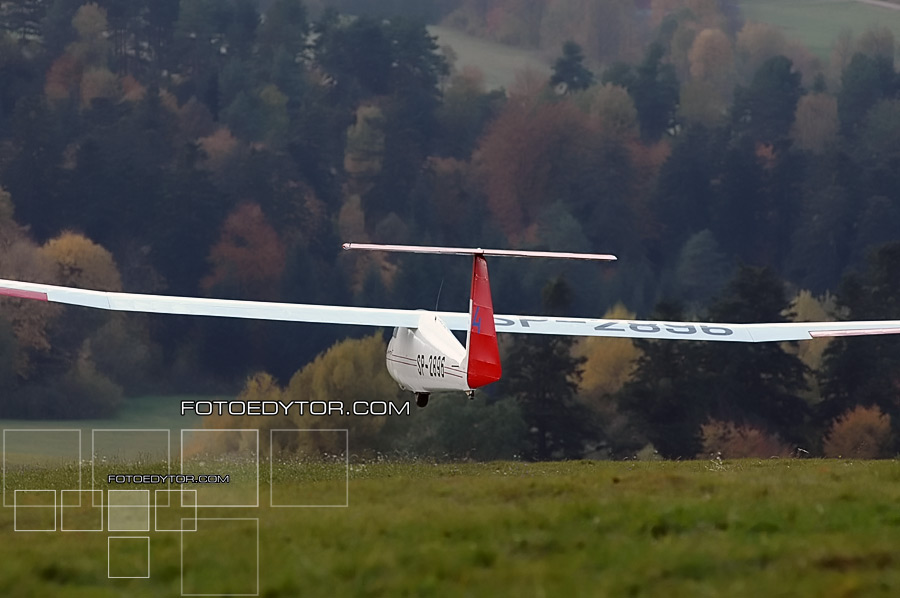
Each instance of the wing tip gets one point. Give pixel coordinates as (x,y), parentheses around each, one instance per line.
(23,294)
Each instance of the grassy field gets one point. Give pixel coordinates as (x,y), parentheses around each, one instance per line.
(817,23)
(814,23)
(498,62)
(144,413)
(743,528)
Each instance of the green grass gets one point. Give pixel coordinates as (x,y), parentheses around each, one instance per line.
(743,528)
(817,23)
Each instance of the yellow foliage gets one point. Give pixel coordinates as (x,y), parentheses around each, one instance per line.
(614,109)
(91,47)
(712,61)
(610,361)
(863,433)
(261,386)
(352,370)
(98,83)
(365,143)
(807,308)
(80,262)
(168,100)
(90,21)
(218,147)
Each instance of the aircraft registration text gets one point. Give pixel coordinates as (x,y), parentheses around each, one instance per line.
(431,365)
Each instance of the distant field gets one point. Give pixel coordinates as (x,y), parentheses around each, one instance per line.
(817,23)
(743,528)
(136,413)
(498,62)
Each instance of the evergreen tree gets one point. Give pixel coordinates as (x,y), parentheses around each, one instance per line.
(655,92)
(543,376)
(766,108)
(569,69)
(864,370)
(757,383)
(865,81)
(668,393)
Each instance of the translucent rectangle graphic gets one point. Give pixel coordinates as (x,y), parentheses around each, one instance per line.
(123,451)
(128,557)
(231,457)
(81,511)
(309,468)
(221,558)
(128,510)
(175,510)
(34,510)
(40,459)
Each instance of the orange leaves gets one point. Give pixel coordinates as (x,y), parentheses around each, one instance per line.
(712,60)
(219,147)
(732,441)
(863,433)
(518,155)
(63,78)
(249,253)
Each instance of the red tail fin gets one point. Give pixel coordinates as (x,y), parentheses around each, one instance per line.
(483,354)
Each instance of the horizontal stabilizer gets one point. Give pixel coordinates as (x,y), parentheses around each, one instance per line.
(478,251)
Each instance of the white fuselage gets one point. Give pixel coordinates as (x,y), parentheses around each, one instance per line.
(427,358)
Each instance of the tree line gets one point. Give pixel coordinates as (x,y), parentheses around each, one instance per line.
(227,148)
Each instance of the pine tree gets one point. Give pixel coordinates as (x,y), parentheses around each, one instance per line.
(543,376)
(569,69)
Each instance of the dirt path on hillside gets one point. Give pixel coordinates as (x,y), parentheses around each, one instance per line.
(881,3)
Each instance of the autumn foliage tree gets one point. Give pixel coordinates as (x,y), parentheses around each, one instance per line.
(519,154)
(80,262)
(249,256)
(860,433)
(732,441)
(351,370)
(20,259)
(608,362)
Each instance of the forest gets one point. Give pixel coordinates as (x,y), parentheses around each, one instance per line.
(226,148)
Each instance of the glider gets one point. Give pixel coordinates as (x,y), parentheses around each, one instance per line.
(423,355)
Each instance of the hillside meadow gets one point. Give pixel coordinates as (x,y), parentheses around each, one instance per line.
(583,528)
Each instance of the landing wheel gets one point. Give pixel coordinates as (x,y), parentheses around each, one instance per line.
(421,399)
(471,395)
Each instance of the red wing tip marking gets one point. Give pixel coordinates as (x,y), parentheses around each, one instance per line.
(23,294)
(869,332)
